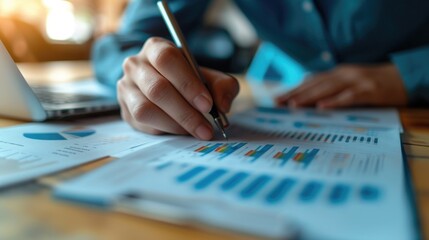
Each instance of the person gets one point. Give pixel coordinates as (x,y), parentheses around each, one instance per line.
(361,53)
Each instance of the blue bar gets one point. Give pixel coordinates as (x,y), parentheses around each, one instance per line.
(313,137)
(256,185)
(307,136)
(286,135)
(190,174)
(288,155)
(274,121)
(210,149)
(334,138)
(369,193)
(327,137)
(339,194)
(206,181)
(230,149)
(299,124)
(234,181)
(273,110)
(260,152)
(278,193)
(310,191)
(163,166)
(310,157)
(260,120)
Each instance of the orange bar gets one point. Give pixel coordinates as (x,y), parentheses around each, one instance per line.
(200,148)
(278,155)
(221,148)
(298,157)
(250,153)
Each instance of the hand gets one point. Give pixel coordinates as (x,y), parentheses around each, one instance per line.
(159,92)
(349,85)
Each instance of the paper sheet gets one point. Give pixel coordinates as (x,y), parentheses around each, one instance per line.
(334,176)
(31,150)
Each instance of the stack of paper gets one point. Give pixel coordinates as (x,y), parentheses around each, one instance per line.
(317,175)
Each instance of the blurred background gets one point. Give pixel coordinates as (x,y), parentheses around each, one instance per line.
(53,30)
(47,30)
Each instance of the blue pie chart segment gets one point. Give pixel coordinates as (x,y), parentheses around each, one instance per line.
(44,136)
(64,135)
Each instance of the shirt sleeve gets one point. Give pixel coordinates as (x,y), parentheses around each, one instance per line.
(413,66)
(141,20)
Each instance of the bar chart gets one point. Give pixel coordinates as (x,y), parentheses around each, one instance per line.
(223,150)
(255,154)
(267,188)
(281,157)
(303,158)
(311,132)
(322,137)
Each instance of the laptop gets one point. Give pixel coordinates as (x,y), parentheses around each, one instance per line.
(39,103)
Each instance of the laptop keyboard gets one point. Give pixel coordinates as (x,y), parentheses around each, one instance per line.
(45,95)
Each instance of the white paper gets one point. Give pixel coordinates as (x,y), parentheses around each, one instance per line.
(31,150)
(334,178)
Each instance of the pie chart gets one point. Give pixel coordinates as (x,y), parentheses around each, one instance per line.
(63,135)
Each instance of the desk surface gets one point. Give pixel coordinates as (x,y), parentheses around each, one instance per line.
(27,211)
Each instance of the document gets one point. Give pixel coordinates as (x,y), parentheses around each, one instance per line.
(31,150)
(319,175)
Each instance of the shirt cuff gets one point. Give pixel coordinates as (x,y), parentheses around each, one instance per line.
(413,66)
(108,54)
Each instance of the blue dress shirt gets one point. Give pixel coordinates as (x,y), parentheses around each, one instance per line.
(319,34)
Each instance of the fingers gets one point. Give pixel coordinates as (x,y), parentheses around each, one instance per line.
(160,103)
(343,99)
(142,114)
(320,86)
(160,92)
(224,88)
(358,94)
(309,83)
(125,112)
(172,65)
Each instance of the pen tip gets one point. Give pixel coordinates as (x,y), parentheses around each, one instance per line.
(221,128)
(224,135)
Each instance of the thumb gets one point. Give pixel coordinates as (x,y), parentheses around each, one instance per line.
(224,88)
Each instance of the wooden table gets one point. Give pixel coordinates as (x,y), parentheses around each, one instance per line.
(27,211)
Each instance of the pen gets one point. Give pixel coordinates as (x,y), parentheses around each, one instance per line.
(219,118)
